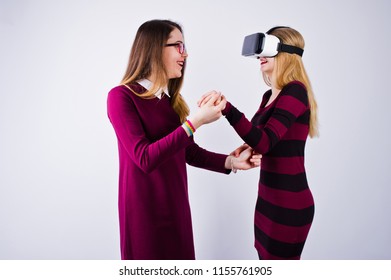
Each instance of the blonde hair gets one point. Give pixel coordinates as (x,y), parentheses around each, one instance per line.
(146,59)
(290,67)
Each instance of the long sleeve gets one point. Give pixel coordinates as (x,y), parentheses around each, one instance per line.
(129,128)
(199,157)
(291,103)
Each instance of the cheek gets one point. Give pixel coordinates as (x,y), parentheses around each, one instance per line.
(169,61)
(165,61)
(270,66)
(272,63)
(167,57)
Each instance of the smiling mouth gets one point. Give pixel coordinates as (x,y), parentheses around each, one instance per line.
(181,63)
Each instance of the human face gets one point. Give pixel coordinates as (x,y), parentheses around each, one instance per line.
(267,65)
(173,60)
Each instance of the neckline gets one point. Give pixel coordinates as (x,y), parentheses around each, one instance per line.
(279,94)
(270,95)
(147,84)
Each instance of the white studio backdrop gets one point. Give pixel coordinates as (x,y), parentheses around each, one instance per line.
(58,151)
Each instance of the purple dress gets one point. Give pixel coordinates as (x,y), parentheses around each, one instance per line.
(154,211)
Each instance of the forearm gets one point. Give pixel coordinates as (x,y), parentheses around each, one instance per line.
(255,137)
(201,158)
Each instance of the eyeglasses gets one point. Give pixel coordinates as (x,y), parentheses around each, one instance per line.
(180,46)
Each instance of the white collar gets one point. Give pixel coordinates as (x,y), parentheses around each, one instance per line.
(148,85)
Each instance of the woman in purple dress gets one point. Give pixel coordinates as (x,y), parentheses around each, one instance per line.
(279,130)
(155,141)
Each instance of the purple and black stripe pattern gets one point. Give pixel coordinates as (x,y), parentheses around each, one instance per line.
(285,206)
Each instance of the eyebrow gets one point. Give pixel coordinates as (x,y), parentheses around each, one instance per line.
(178,41)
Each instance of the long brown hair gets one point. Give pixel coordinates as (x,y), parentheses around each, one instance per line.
(290,67)
(146,60)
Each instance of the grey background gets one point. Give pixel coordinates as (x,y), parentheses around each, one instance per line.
(58,153)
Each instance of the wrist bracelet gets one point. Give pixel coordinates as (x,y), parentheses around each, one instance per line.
(189,126)
(187,129)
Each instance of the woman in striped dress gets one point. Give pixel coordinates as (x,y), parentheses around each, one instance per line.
(279,130)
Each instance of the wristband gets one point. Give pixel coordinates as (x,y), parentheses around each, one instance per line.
(188,129)
(191,126)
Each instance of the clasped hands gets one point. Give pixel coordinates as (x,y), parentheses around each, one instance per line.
(210,106)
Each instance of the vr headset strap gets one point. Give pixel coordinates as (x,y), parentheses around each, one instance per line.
(290,49)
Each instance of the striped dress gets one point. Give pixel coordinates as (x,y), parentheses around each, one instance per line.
(285,206)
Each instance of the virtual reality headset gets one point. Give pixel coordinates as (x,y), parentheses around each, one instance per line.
(266,45)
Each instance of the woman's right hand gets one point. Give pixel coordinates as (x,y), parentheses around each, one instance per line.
(209,112)
(206,98)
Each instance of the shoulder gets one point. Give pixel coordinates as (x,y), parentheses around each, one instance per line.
(123,89)
(118,90)
(125,92)
(297,90)
(119,96)
(121,100)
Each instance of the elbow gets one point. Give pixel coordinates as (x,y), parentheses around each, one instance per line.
(143,159)
(262,148)
(146,165)
(266,142)
(146,170)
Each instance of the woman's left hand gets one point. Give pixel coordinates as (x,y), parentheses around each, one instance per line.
(247,159)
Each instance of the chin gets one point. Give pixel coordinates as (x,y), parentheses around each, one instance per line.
(175,75)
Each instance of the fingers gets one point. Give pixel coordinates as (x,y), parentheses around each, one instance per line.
(256,159)
(213,98)
(206,98)
(245,158)
(238,150)
(235,153)
(222,103)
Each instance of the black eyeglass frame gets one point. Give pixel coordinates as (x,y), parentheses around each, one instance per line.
(180,46)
